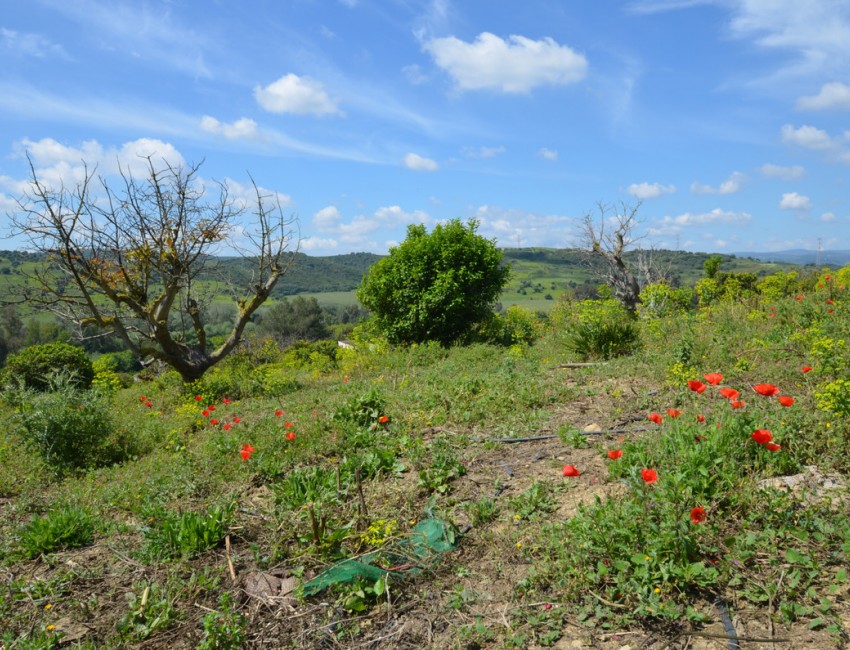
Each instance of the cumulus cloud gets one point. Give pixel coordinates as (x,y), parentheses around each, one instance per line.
(731,185)
(828,217)
(327,218)
(418,163)
(319,244)
(483,152)
(670,225)
(835,95)
(299,95)
(516,65)
(57,164)
(806,136)
(548,154)
(243,128)
(393,215)
(513,227)
(646,190)
(794,201)
(792,173)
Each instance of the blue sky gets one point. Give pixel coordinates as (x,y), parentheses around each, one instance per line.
(728,119)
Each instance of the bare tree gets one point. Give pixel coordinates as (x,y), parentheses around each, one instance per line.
(607,237)
(131,261)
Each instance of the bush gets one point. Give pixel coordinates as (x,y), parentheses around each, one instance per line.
(33,366)
(601,329)
(71,428)
(435,287)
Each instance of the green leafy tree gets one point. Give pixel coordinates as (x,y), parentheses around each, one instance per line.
(299,319)
(437,286)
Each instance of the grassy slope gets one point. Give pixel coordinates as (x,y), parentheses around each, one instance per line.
(532,565)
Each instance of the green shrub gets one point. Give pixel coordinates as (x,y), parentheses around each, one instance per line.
(32,367)
(65,527)
(71,428)
(604,340)
(435,287)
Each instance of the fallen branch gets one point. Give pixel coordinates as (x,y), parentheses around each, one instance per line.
(229,560)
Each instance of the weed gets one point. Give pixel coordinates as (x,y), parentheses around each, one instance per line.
(150,611)
(481,512)
(64,527)
(174,535)
(224,629)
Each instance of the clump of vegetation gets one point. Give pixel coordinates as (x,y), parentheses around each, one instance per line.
(35,366)
(65,527)
(437,286)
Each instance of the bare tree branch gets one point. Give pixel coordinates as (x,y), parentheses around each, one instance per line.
(132,260)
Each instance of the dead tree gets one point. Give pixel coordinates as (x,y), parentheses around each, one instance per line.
(131,260)
(607,238)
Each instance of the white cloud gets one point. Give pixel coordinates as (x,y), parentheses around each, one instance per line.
(244,195)
(393,215)
(513,66)
(519,228)
(806,136)
(28,44)
(414,74)
(294,94)
(327,218)
(243,128)
(835,95)
(318,245)
(731,185)
(483,152)
(418,163)
(646,190)
(794,201)
(548,154)
(793,173)
(673,225)
(828,217)
(56,164)
(658,6)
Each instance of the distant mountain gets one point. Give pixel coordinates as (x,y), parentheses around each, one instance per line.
(802,257)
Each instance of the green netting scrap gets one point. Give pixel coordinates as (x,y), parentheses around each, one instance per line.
(428,540)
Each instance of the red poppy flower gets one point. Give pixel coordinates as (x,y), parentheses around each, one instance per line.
(785,400)
(829,301)
(198,398)
(699,439)
(829,311)
(698,514)
(737,404)
(237,420)
(697,386)
(713,378)
(288,425)
(729,393)
(148,404)
(570,470)
(279,412)
(772,446)
(143,399)
(614,454)
(205,413)
(700,418)
(649,475)
(225,400)
(213,422)
(762,436)
(246,451)
(766,389)
(383,419)
(345,381)
(807,368)
(799,297)
(674,413)
(654,417)
(827,278)
(211,407)
(228,426)
(290,435)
